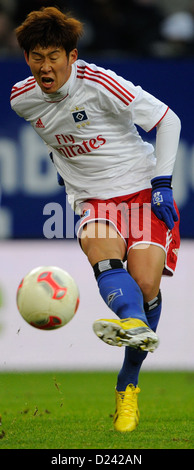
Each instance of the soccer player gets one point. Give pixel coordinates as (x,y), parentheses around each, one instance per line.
(119,184)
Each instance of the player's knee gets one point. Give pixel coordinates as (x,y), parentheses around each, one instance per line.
(148,286)
(98,247)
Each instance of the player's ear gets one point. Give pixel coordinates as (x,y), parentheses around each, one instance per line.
(73,55)
(26,57)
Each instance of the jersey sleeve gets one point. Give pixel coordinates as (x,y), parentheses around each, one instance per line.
(121,95)
(147,111)
(18,96)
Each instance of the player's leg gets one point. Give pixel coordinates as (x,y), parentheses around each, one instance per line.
(100,241)
(146,264)
(126,417)
(129,373)
(117,287)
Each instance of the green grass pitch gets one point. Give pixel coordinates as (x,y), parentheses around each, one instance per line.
(73,410)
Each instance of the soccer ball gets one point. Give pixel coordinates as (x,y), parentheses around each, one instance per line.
(47,297)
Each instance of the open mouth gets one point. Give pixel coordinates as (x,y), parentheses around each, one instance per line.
(47,82)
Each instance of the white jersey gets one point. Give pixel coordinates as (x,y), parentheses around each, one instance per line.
(90,127)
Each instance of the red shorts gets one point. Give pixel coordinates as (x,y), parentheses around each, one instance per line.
(135,222)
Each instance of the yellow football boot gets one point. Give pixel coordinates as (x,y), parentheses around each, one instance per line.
(126,417)
(127,332)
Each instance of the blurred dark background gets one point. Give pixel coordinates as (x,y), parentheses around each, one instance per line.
(156,28)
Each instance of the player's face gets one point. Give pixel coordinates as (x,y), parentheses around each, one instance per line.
(50,66)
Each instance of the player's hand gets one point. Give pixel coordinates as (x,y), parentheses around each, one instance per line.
(59,177)
(162,202)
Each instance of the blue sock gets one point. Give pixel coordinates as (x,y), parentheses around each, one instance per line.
(120,292)
(134,358)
